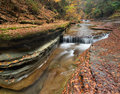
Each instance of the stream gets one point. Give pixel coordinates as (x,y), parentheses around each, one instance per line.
(62,61)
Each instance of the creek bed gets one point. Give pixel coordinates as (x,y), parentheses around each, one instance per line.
(62,63)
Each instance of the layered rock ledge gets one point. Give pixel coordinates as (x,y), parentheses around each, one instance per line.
(98,67)
(22,57)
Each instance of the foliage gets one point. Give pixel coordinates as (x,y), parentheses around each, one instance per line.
(99,8)
(66,9)
(76,9)
(61,9)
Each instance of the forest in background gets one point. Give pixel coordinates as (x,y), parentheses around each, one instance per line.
(99,8)
(49,10)
(77,9)
(89,8)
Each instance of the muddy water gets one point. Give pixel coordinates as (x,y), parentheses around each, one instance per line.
(62,65)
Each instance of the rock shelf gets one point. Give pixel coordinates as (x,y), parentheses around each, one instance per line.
(21,57)
(98,68)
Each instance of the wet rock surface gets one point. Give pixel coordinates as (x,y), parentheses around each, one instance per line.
(98,68)
(20,59)
(16,70)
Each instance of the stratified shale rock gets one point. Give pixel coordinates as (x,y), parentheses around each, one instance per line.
(13,71)
(99,68)
(22,59)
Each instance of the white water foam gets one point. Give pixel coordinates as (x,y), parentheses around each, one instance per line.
(83,47)
(66,45)
(104,37)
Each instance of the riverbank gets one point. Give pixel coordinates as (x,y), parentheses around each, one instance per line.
(60,69)
(98,67)
(24,52)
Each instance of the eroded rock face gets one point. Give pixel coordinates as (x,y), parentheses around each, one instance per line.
(99,68)
(23,60)
(21,65)
(28,43)
(13,71)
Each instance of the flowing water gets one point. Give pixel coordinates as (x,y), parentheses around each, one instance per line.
(62,61)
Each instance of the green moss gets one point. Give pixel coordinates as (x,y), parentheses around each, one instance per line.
(11,28)
(64,25)
(14,28)
(9,37)
(5,36)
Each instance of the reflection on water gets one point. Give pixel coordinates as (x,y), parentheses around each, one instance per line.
(62,65)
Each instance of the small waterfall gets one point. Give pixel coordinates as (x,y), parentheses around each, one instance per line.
(74,39)
(84,40)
